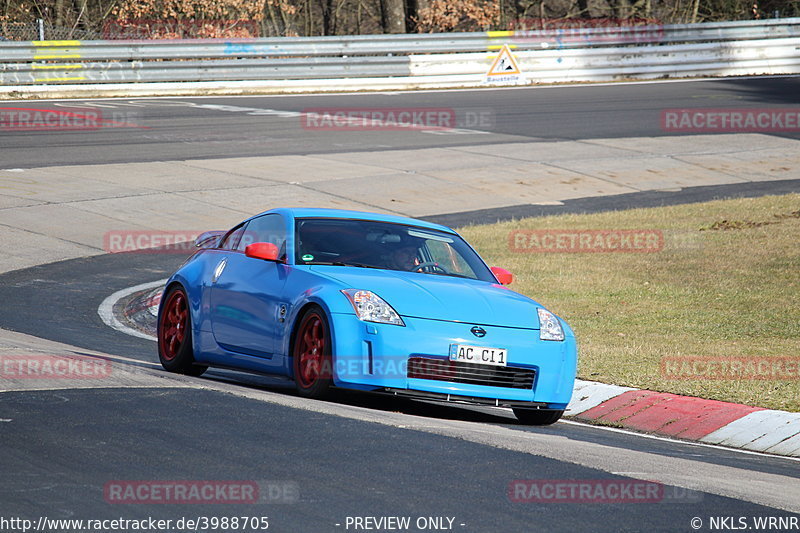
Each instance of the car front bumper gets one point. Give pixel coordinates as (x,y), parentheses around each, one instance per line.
(371,356)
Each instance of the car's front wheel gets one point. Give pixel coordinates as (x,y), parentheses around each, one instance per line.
(175,334)
(311,354)
(536,417)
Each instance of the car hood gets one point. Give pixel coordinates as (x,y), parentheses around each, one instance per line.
(435,297)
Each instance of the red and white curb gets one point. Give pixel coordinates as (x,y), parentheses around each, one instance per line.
(685,417)
(660,413)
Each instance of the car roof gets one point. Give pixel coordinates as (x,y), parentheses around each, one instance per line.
(312,212)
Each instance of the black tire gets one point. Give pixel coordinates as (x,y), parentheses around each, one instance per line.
(175,334)
(311,355)
(537,417)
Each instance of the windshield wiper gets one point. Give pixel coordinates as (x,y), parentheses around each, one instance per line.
(447,274)
(339,263)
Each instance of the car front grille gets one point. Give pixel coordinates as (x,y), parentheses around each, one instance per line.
(469,373)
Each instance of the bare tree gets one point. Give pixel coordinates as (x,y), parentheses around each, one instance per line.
(91,19)
(393,16)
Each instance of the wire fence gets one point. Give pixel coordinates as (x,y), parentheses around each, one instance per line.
(41,30)
(138,29)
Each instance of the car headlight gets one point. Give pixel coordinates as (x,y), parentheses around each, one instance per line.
(549,326)
(370,307)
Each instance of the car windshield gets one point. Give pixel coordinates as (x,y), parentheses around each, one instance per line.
(384,245)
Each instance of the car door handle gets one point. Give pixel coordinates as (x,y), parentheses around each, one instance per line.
(218,271)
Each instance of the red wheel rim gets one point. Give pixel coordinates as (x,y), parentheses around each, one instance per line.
(310,351)
(174,320)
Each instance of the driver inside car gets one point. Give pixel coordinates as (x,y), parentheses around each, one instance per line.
(404,258)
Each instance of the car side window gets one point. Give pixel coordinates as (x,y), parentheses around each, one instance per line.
(231,240)
(443,254)
(266,228)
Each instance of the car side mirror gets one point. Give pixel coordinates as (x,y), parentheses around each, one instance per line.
(262,250)
(503,276)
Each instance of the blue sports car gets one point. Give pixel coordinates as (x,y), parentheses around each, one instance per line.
(364,301)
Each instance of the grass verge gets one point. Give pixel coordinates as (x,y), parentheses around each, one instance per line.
(724,284)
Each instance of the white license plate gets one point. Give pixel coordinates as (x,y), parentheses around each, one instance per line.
(479,355)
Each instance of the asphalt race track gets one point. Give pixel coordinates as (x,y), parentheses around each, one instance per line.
(320,465)
(549,114)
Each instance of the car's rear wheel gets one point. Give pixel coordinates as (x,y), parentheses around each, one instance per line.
(311,354)
(175,334)
(536,417)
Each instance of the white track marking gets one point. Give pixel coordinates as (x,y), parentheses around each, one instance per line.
(88,104)
(106,309)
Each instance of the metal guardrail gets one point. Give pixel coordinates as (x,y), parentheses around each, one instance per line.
(746,47)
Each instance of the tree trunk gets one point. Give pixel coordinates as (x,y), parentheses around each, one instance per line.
(695,10)
(82,17)
(327,17)
(393,16)
(413,8)
(59,9)
(623,8)
(269,15)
